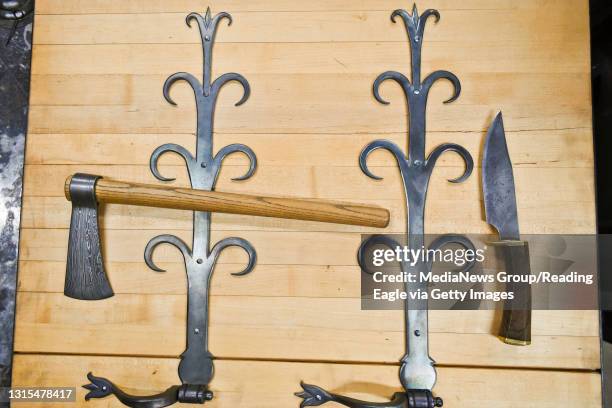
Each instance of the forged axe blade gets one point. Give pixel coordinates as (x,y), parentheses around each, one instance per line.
(85,275)
(498,183)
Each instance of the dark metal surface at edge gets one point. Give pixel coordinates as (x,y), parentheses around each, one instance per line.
(15,61)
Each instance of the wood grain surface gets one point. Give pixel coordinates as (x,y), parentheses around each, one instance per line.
(262,384)
(97,107)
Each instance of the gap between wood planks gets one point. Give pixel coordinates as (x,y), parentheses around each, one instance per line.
(316,361)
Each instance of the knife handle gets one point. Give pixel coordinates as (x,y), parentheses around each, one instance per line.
(516,319)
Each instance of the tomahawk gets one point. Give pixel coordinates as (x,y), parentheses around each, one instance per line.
(86,278)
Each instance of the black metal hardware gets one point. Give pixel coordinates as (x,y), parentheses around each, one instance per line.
(196,366)
(417,372)
(15,11)
(15,57)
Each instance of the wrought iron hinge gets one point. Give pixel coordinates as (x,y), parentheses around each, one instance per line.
(196,366)
(417,372)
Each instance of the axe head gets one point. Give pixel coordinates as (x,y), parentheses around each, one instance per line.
(85,275)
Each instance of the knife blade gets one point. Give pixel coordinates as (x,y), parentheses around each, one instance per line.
(501,212)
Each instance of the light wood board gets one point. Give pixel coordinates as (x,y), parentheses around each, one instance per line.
(97,107)
(262,384)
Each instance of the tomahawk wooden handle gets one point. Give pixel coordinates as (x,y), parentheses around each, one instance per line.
(148,195)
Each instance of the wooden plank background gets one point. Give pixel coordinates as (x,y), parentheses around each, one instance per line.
(97,106)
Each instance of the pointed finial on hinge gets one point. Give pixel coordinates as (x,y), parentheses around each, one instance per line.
(207,17)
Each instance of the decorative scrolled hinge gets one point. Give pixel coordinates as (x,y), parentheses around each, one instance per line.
(196,366)
(417,371)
